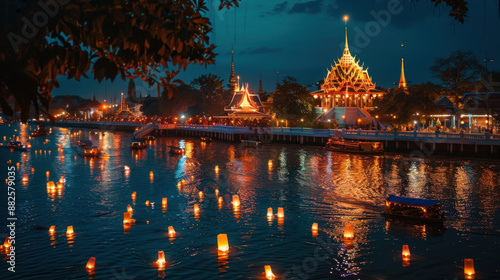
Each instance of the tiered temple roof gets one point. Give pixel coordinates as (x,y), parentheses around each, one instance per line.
(347,75)
(245,104)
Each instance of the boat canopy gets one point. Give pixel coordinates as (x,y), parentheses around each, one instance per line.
(413,201)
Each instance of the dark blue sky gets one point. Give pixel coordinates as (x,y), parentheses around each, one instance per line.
(302,39)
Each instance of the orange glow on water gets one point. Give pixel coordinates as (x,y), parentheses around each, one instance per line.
(52,230)
(171,231)
(90,264)
(69,230)
(222,243)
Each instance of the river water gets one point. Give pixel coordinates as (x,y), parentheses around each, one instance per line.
(311,184)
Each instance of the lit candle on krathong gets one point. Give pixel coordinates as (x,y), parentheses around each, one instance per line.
(147,203)
(220,201)
(348,232)
(314,230)
(134,195)
(406,253)
(236,201)
(281,212)
(48,174)
(269,213)
(6,243)
(164,203)
(127,218)
(216,169)
(223,244)
(469,269)
(270,163)
(200,194)
(32,170)
(130,209)
(269,272)
(161,260)
(62,180)
(69,231)
(60,185)
(25,178)
(171,231)
(51,186)
(216,192)
(90,264)
(196,209)
(151,175)
(52,230)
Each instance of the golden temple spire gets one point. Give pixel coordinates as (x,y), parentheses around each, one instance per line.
(402,80)
(346,60)
(232,77)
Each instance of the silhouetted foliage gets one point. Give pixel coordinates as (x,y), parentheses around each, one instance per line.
(459,73)
(405,105)
(458,8)
(293,101)
(152,40)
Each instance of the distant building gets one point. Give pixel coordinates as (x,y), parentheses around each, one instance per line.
(245,105)
(347,92)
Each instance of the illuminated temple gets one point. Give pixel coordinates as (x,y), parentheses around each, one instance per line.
(347,91)
(245,105)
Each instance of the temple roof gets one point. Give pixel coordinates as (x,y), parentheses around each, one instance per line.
(347,74)
(244,101)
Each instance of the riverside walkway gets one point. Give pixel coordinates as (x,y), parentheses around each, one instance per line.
(441,143)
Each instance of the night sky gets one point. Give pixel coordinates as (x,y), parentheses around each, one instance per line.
(302,39)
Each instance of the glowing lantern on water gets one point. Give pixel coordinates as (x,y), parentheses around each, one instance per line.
(29,146)
(47,173)
(52,230)
(62,156)
(25,178)
(134,195)
(126,168)
(269,272)
(69,230)
(164,202)
(127,218)
(469,268)
(236,200)
(348,232)
(51,185)
(130,209)
(314,227)
(220,200)
(406,252)
(161,259)
(270,163)
(32,170)
(196,209)
(90,264)
(62,180)
(216,168)
(216,192)
(222,243)
(147,203)
(171,231)
(6,243)
(281,212)
(151,175)
(200,194)
(60,185)
(179,185)
(269,213)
